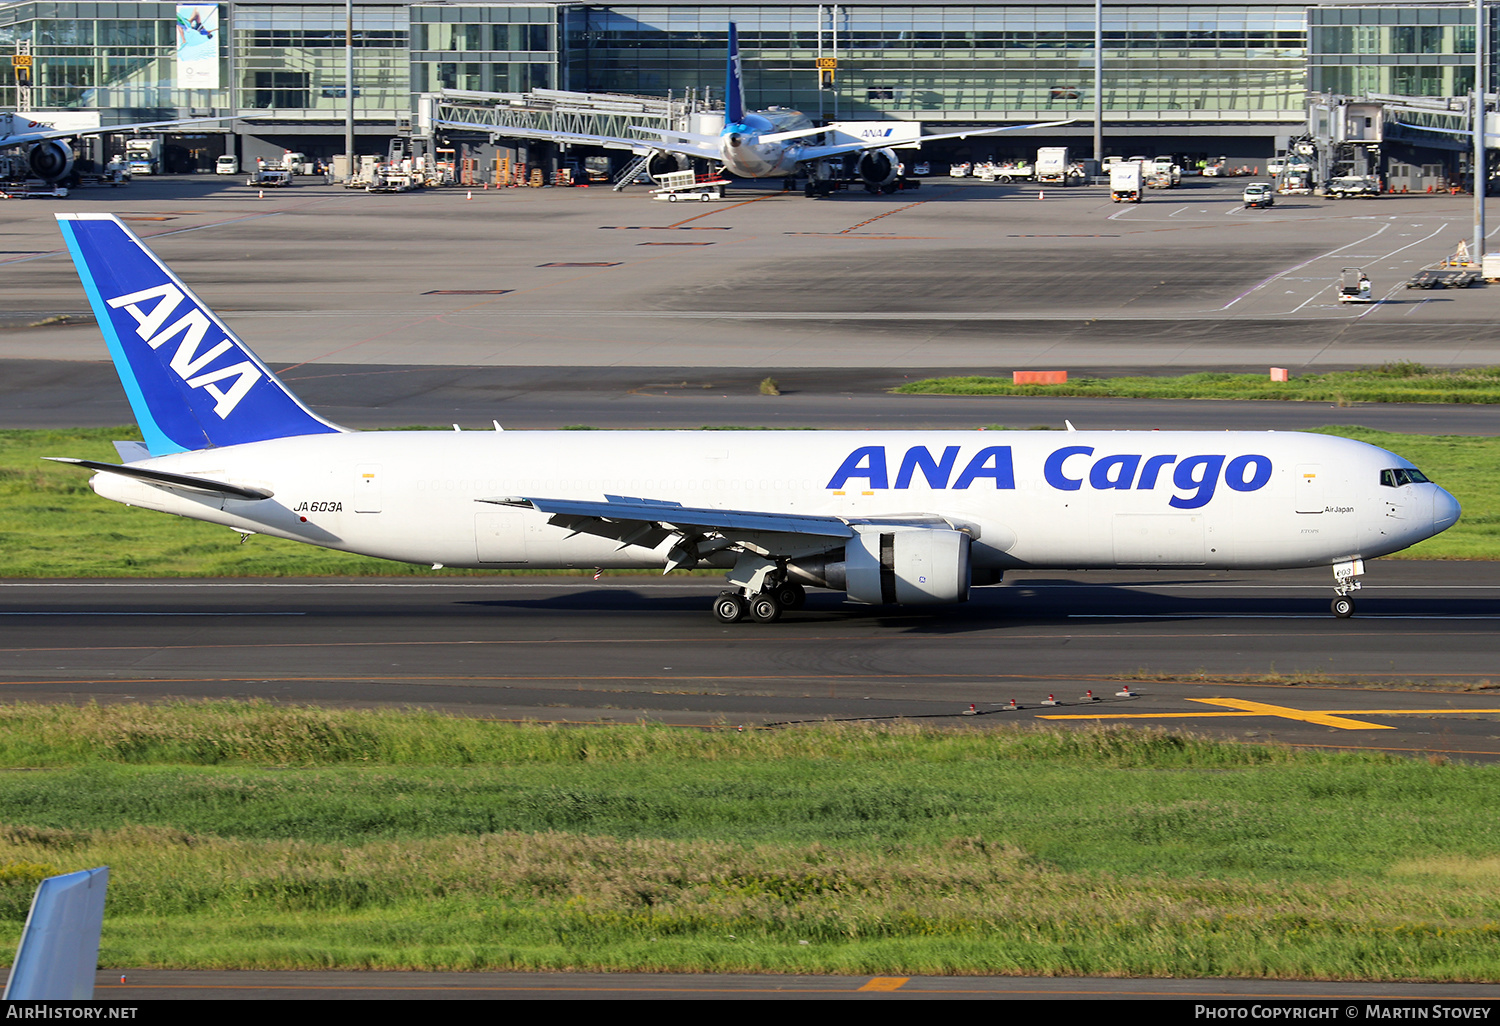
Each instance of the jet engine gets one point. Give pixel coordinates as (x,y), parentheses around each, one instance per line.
(911,566)
(663,163)
(878,168)
(51,160)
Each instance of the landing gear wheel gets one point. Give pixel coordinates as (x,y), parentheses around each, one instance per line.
(765,608)
(1343,607)
(791,596)
(810,190)
(729,608)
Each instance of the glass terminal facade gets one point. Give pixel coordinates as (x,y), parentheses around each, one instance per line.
(1405,51)
(957,63)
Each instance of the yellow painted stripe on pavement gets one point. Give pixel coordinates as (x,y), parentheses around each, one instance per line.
(886,983)
(1322,719)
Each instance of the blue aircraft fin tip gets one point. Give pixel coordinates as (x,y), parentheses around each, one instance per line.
(191,382)
(734,83)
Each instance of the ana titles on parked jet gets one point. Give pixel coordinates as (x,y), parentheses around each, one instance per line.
(774,143)
(910,517)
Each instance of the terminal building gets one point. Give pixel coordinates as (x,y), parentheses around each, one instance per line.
(1178,77)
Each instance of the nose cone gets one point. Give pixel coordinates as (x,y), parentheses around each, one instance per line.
(1445,511)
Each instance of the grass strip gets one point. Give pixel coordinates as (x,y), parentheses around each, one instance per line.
(1399,382)
(251,835)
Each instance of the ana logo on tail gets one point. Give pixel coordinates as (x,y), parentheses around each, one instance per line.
(187,362)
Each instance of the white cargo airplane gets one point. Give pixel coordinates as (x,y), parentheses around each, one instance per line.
(754,144)
(48,155)
(888,517)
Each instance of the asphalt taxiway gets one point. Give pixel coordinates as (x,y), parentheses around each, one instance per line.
(1244,655)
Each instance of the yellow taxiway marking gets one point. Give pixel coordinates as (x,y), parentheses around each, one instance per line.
(1322,719)
(1340,718)
(886,983)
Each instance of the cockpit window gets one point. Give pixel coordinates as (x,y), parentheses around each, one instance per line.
(1402,476)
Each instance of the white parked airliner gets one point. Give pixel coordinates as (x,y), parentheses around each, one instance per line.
(48,155)
(913,517)
(774,143)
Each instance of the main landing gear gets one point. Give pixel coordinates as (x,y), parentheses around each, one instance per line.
(732,606)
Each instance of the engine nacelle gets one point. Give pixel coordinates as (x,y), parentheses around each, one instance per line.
(662,163)
(925,566)
(51,161)
(878,167)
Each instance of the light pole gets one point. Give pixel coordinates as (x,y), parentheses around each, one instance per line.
(1481,175)
(349,86)
(1098,81)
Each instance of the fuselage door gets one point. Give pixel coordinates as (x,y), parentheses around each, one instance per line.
(1309,486)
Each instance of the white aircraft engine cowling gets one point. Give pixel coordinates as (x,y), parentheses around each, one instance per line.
(878,167)
(910,567)
(50,160)
(664,163)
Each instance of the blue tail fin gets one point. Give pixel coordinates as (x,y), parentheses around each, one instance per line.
(192,383)
(734,82)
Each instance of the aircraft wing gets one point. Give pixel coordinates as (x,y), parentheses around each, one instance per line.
(677,518)
(46,132)
(671,142)
(819,152)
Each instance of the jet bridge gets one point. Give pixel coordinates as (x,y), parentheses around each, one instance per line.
(553,114)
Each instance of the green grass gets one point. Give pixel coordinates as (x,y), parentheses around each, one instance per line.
(1403,382)
(52,525)
(272,837)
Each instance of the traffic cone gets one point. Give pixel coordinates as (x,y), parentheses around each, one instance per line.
(470,195)
(1041,194)
(262,194)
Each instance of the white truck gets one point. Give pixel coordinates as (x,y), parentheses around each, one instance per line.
(298,163)
(1052,165)
(143,156)
(1125,181)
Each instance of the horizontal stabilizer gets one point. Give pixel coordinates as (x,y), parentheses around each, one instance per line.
(686,517)
(132,452)
(170,480)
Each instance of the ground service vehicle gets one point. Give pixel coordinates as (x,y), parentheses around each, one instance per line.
(143,156)
(910,517)
(1258,194)
(1125,182)
(227,165)
(1352,187)
(1052,165)
(1354,286)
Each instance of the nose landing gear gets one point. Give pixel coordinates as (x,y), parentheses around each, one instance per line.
(1345,583)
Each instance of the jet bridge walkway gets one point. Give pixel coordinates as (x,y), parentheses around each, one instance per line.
(550,113)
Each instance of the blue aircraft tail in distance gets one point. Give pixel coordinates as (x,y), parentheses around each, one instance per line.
(191,382)
(734,82)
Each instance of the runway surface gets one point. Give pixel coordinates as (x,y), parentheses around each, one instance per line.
(1244,655)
